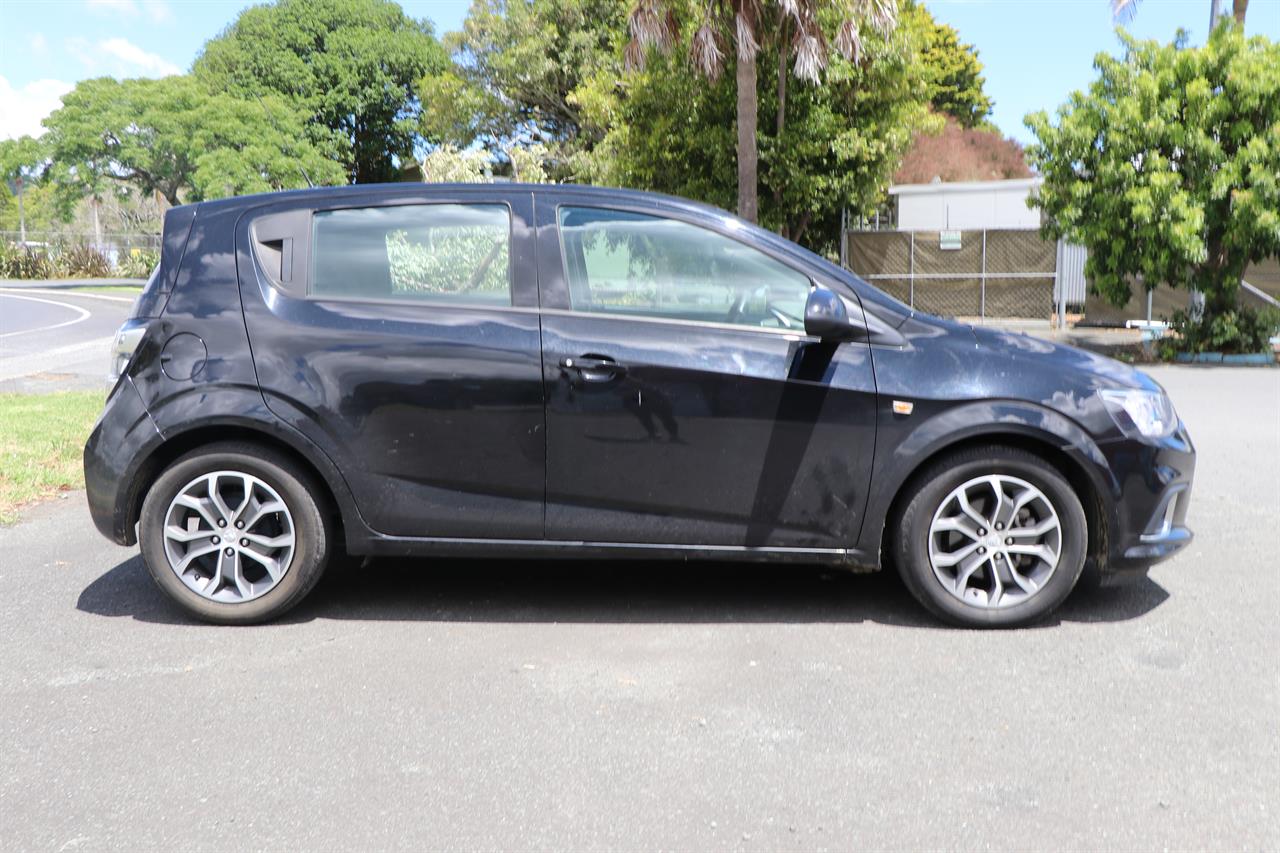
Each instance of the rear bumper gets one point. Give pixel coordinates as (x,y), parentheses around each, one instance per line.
(1149,521)
(120,439)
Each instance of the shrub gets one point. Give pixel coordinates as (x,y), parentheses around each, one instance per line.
(82,262)
(138,263)
(24,262)
(1242,330)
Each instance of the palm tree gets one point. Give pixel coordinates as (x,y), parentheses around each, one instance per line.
(1123,10)
(653,24)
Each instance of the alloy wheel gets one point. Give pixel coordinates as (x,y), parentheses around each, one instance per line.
(995,541)
(229,537)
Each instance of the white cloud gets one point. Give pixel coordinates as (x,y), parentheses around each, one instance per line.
(22,109)
(157,10)
(138,59)
(119,7)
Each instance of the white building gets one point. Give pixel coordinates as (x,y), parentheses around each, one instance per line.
(964,206)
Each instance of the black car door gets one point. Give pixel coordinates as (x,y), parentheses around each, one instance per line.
(399,332)
(685,404)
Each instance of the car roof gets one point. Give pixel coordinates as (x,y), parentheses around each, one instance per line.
(403,188)
(612,195)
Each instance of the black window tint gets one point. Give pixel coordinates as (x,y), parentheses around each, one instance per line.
(627,263)
(453,253)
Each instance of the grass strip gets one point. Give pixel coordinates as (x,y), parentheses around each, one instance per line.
(42,437)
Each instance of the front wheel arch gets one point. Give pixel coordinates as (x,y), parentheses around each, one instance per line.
(1072,471)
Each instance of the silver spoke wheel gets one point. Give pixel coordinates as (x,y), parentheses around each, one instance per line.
(229,536)
(995,541)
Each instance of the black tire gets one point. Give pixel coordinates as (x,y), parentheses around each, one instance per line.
(931,488)
(313,530)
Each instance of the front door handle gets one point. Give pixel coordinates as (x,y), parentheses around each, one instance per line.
(593,368)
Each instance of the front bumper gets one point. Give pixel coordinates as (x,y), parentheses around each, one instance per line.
(1153,494)
(121,439)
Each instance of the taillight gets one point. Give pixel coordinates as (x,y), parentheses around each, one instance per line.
(126,342)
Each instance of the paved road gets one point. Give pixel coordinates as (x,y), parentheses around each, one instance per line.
(55,339)
(544,705)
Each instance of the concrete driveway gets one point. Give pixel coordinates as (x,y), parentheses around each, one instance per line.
(556,705)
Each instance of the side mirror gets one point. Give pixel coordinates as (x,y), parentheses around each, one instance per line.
(826,317)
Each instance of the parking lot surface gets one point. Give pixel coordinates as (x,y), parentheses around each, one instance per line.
(535,705)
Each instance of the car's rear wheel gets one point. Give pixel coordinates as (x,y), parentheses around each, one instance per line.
(234,533)
(992,537)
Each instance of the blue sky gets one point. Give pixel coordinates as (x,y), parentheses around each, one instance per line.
(1035,51)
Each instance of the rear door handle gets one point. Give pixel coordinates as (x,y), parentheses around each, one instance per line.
(593,368)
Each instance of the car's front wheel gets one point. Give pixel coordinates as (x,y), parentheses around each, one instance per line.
(992,537)
(234,533)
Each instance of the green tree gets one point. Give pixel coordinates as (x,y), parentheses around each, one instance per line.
(21,160)
(525,73)
(22,157)
(795,30)
(172,137)
(1168,167)
(956,84)
(350,65)
(836,146)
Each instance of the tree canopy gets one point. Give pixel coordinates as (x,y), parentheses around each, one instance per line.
(793,34)
(334,90)
(1168,167)
(172,137)
(527,73)
(956,84)
(22,157)
(962,154)
(551,72)
(836,146)
(350,65)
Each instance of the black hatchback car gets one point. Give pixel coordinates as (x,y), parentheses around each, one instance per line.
(561,371)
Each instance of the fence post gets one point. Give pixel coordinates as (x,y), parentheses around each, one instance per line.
(983,280)
(911,271)
(844,237)
(1060,286)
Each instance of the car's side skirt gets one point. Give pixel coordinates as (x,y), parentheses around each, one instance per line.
(404,546)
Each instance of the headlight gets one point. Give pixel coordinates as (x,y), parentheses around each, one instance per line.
(1141,414)
(126,341)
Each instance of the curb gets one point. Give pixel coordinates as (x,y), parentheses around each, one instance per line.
(1252,359)
(67,283)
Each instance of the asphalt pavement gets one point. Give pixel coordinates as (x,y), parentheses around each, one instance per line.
(55,338)
(557,705)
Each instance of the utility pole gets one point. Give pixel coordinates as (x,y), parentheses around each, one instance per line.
(1213,15)
(22,214)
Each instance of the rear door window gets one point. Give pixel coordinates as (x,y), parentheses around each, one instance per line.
(459,254)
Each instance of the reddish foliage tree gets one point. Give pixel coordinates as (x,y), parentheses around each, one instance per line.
(962,154)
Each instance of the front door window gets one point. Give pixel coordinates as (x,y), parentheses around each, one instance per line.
(627,263)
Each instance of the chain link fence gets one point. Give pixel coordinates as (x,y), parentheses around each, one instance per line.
(980,273)
(105,242)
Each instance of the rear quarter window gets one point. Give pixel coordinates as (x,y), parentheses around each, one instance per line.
(449,253)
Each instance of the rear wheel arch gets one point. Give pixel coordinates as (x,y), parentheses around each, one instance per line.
(334,495)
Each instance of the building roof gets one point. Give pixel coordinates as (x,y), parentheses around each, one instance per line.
(964,186)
